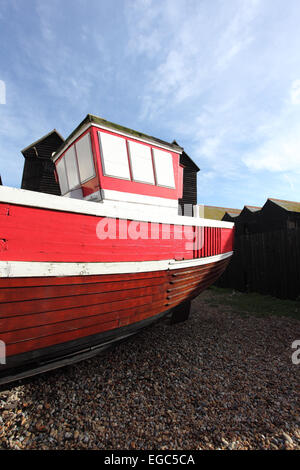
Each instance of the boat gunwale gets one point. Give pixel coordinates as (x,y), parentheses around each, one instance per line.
(26,198)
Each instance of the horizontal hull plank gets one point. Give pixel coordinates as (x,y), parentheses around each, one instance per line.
(48,292)
(68,280)
(20,322)
(199,274)
(62,337)
(52,312)
(186,272)
(31,307)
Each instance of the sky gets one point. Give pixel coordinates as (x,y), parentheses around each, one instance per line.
(220,77)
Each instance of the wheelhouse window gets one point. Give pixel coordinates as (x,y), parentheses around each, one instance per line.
(134,161)
(71,168)
(141,163)
(85,158)
(76,166)
(164,168)
(114,156)
(62,176)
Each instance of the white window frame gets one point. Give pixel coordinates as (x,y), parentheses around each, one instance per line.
(131,145)
(103,159)
(156,153)
(70,149)
(88,135)
(62,162)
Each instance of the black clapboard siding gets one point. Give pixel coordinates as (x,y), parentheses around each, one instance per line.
(189,194)
(266,251)
(38,173)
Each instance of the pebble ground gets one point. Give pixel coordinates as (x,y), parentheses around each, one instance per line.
(221,380)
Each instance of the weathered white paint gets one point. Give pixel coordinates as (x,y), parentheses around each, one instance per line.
(189,263)
(143,213)
(112,195)
(48,269)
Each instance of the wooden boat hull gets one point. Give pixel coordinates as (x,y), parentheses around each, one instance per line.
(74,277)
(46,320)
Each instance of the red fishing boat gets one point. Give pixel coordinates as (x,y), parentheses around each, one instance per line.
(107,257)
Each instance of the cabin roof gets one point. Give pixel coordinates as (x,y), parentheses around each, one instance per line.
(90,118)
(45,146)
(287,205)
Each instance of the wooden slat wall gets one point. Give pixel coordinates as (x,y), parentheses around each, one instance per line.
(48,311)
(189,195)
(38,172)
(266,262)
(208,242)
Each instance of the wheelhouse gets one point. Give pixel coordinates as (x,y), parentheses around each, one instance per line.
(101,161)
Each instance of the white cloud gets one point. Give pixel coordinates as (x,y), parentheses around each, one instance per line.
(2,92)
(278,154)
(218,77)
(222,78)
(295,92)
(290,181)
(188,46)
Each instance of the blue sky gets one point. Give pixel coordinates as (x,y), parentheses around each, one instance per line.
(220,77)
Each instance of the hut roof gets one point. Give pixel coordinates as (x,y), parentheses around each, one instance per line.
(186,159)
(45,146)
(217,213)
(233,214)
(287,205)
(252,208)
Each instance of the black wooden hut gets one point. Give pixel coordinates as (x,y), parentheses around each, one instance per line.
(189,195)
(277,214)
(267,250)
(247,220)
(38,173)
(230,217)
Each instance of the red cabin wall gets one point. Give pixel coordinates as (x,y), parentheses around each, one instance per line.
(118,184)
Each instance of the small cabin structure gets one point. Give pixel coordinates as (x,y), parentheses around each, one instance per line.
(103,161)
(38,172)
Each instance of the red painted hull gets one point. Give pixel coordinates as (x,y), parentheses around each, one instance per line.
(34,234)
(42,313)
(44,317)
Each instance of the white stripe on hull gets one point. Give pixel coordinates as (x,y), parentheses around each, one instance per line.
(47,269)
(34,199)
(120,196)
